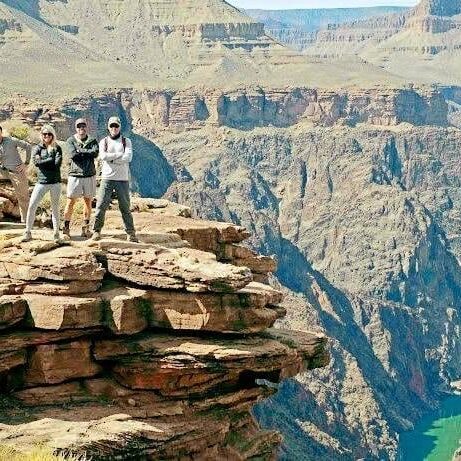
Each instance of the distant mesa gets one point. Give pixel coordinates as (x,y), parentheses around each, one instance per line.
(422,44)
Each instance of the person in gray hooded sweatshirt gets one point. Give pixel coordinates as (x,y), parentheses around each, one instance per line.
(115,153)
(13,168)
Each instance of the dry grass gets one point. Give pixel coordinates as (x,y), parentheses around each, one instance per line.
(39,454)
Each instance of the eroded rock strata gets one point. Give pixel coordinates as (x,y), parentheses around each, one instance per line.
(153,350)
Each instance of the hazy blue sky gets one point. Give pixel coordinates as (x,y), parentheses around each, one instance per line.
(280,4)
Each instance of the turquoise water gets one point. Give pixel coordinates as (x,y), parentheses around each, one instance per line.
(436,437)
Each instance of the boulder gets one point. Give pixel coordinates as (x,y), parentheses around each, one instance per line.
(64,263)
(12,310)
(183,366)
(56,363)
(177,269)
(126,310)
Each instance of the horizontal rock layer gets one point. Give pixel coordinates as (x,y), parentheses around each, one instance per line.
(119,349)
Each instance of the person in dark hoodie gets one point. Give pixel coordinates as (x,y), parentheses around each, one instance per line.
(47,157)
(83,150)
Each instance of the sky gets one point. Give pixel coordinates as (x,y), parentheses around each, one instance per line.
(289,4)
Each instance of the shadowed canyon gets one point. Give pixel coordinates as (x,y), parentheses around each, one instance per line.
(341,160)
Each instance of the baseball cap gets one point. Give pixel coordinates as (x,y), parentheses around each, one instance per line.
(79,121)
(114,121)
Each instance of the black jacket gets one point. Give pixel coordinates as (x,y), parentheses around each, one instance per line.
(48,164)
(82,156)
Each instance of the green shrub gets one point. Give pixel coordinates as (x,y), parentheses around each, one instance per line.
(20,132)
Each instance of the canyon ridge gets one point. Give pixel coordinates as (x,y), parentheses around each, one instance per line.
(341,161)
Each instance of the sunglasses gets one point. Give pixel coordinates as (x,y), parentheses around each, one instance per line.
(81,125)
(114,125)
(47,134)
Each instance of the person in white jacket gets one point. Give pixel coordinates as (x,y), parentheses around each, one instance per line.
(115,153)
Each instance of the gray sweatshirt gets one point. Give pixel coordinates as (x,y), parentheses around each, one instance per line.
(9,155)
(116,160)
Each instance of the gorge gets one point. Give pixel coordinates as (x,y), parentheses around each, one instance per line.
(350,178)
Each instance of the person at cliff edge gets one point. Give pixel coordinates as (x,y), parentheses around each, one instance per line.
(115,153)
(14,169)
(83,150)
(47,157)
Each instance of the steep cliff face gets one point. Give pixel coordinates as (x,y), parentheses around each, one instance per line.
(421,45)
(359,220)
(159,44)
(152,114)
(143,351)
(363,220)
(298,28)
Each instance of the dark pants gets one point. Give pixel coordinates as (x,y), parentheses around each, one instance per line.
(122,190)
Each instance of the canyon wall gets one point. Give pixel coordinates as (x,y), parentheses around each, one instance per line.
(298,28)
(359,200)
(150,350)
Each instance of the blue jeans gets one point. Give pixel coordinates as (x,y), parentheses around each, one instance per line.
(122,190)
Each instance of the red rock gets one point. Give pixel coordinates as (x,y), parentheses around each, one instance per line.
(126,310)
(63,312)
(12,310)
(177,269)
(63,263)
(21,339)
(56,363)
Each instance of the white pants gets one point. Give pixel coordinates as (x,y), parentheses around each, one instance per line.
(37,194)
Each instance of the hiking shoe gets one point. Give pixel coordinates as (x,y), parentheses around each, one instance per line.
(27,237)
(132,238)
(66,233)
(86,233)
(96,236)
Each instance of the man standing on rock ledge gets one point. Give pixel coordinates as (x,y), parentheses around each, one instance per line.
(83,151)
(116,153)
(14,169)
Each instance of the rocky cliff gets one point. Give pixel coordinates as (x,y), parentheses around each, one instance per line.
(153,112)
(421,44)
(364,222)
(160,44)
(361,206)
(151,350)
(298,28)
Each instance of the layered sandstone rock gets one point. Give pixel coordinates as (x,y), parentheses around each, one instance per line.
(413,44)
(114,349)
(152,113)
(298,27)
(365,223)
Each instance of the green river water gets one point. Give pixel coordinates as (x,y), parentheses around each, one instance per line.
(436,437)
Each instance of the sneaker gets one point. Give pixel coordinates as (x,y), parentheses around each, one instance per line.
(86,233)
(27,237)
(57,238)
(132,238)
(96,236)
(66,233)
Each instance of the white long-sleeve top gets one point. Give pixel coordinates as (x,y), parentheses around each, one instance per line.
(115,161)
